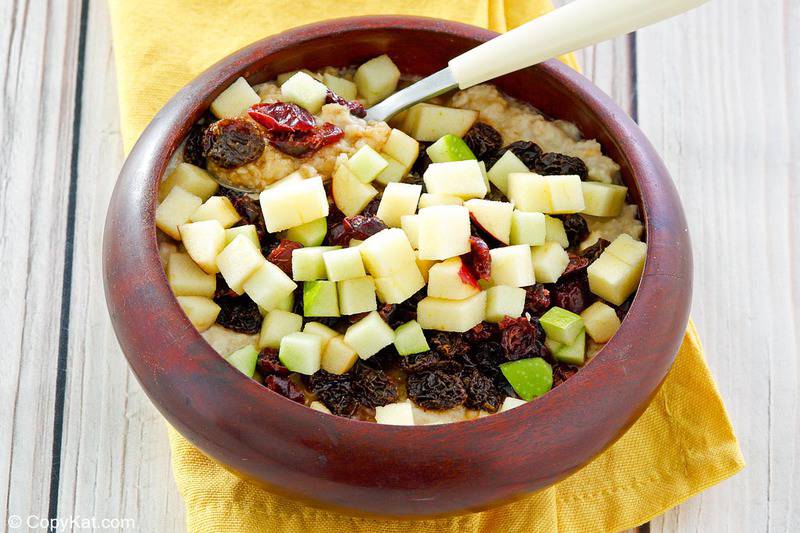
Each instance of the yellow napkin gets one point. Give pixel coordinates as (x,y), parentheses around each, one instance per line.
(682,444)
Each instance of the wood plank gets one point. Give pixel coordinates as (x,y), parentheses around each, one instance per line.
(115,457)
(38,55)
(718,91)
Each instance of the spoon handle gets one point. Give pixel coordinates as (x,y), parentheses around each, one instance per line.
(576,25)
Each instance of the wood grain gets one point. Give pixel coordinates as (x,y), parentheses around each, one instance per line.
(37,59)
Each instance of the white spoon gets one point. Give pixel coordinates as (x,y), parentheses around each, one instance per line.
(579,24)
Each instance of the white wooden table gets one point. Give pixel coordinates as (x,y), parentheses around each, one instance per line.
(717,91)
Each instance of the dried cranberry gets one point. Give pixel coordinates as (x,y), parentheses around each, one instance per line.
(572,293)
(520,339)
(239,314)
(372,207)
(478,261)
(526,151)
(483,140)
(282,116)
(537,300)
(449,345)
(553,164)
(576,228)
(357,227)
(593,252)
(268,363)
(354,106)
(435,390)
(481,392)
(232,142)
(193,149)
(373,387)
(576,263)
(562,372)
(281,255)
(335,391)
(299,144)
(285,387)
(482,332)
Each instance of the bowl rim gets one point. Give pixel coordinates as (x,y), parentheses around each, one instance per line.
(668,262)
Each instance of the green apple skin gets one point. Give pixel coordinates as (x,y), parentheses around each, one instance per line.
(244,360)
(309,234)
(320,298)
(561,325)
(529,377)
(449,148)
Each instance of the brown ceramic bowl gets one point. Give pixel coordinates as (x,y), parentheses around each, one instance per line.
(362,467)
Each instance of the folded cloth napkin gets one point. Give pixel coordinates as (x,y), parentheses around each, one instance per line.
(682,444)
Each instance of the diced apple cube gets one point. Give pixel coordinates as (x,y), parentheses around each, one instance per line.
(244,360)
(234,100)
(283,77)
(342,264)
(285,304)
(319,406)
(190,178)
(444,231)
(409,339)
(201,311)
(350,195)
(357,295)
(305,91)
(549,262)
(494,217)
(410,225)
(424,266)
(451,280)
(320,330)
(188,279)
(503,301)
(393,173)
(238,261)
(561,325)
(344,88)
(430,200)
(428,122)
(555,232)
(401,148)
(510,403)
(248,231)
(366,163)
(294,203)
(449,148)
(612,279)
(504,166)
(175,210)
(398,199)
(601,321)
(603,199)
(308,263)
(386,252)
(529,192)
(400,285)
(337,356)
(452,315)
(628,250)
(269,286)
(309,234)
(457,178)
(301,353)
(217,208)
(276,325)
(395,414)
(369,335)
(204,241)
(566,194)
(377,78)
(512,266)
(320,299)
(528,228)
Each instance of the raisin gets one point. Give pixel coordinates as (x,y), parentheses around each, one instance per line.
(593,252)
(193,149)
(520,338)
(449,345)
(423,161)
(222,290)
(576,264)
(335,391)
(622,310)
(415,179)
(355,107)
(526,151)
(397,314)
(478,261)
(481,392)
(282,116)
(435,389)
(424,361)
(482,332)
(300,143)
(285,387)
(356,227)
(576,228)
(281,255)
(572,293)
(268,363)
(239,314)
(486,356)
(537,300)
(372,387)
(562,372)
(495,195)
(483,140)
(553,164)
(384,360)
(250,211)
(232,142)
